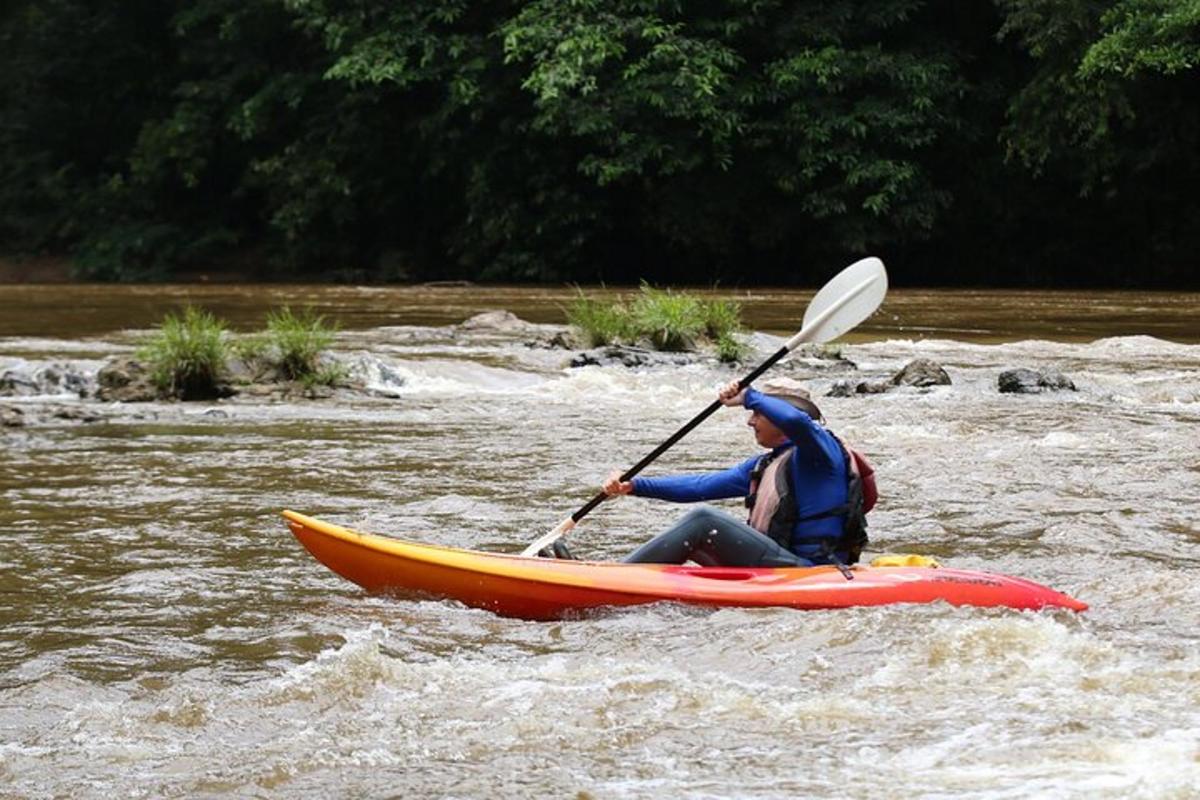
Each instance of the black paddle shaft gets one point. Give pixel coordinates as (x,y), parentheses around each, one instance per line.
(679,434)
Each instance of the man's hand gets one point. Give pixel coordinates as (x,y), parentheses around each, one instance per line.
(613,485)
(732,394)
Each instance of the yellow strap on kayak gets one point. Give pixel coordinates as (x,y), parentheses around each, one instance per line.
(904,560)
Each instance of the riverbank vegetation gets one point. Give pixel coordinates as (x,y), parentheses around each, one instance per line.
(188,356)
(662,318)
(998,142)
(297,340)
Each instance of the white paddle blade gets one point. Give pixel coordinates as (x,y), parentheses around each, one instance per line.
(850,297)
(549,538)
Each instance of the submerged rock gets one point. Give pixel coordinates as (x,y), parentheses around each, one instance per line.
(623,355)
(921,372)
(369,373)
(16,417)
(918,373)
(558,341)
(1028,381)
(59,377)
(244,371)
(499,320)
(125,380)
(14,383)
(841,388)
(318,391)
(50,379)
(204,390)
(874,387)
(74,413)
(822,356)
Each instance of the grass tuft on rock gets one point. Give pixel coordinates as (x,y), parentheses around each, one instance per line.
(671,321)
(329,374)
(729,348)
(663,318)
(598,322)
(187,355)
(298,339)
(721,317)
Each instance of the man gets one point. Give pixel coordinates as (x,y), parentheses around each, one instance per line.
(800,493)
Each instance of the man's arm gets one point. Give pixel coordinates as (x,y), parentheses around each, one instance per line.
(732,482)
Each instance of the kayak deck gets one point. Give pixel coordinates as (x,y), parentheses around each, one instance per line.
(539,588)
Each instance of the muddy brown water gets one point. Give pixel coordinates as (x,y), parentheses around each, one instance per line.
(163,635)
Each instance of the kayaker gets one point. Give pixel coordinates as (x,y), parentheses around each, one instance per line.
(804,505)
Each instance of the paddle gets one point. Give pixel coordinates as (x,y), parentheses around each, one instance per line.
(848,299)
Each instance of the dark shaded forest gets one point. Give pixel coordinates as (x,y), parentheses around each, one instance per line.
(1006,143)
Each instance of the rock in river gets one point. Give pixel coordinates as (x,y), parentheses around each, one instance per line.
(1028,381)
(496,321)
(626,356)
(11,417)
(126,380)
(919,372)
(49,379)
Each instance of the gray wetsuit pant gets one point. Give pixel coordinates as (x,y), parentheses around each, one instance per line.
(712,538)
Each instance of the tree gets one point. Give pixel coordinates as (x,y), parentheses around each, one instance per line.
(603,139)
(1113,103)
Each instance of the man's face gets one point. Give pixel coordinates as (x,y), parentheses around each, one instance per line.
(765,432)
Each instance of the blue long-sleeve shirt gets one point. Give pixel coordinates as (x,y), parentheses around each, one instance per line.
(818,473)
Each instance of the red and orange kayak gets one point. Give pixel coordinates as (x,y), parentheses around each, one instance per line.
(539,588)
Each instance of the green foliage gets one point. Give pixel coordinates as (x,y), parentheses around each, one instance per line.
(1094,69)
(599,322)
(668,320)
(1145,36)
(324,375)
(721,317)
(297,340)
(600,140)
(187,355)
(254,352)
(251,348)
(729,348)
(1111,111)
(722,321)
(775,109)
(671,321)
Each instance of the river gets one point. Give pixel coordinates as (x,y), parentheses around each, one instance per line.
(163,635)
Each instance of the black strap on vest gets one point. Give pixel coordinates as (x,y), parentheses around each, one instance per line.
(826,543)
(757,473)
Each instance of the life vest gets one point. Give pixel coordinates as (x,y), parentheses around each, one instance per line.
(772,502)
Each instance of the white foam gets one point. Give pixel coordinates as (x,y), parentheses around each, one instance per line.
(439,377)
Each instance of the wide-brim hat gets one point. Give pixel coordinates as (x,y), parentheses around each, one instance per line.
(793,392)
